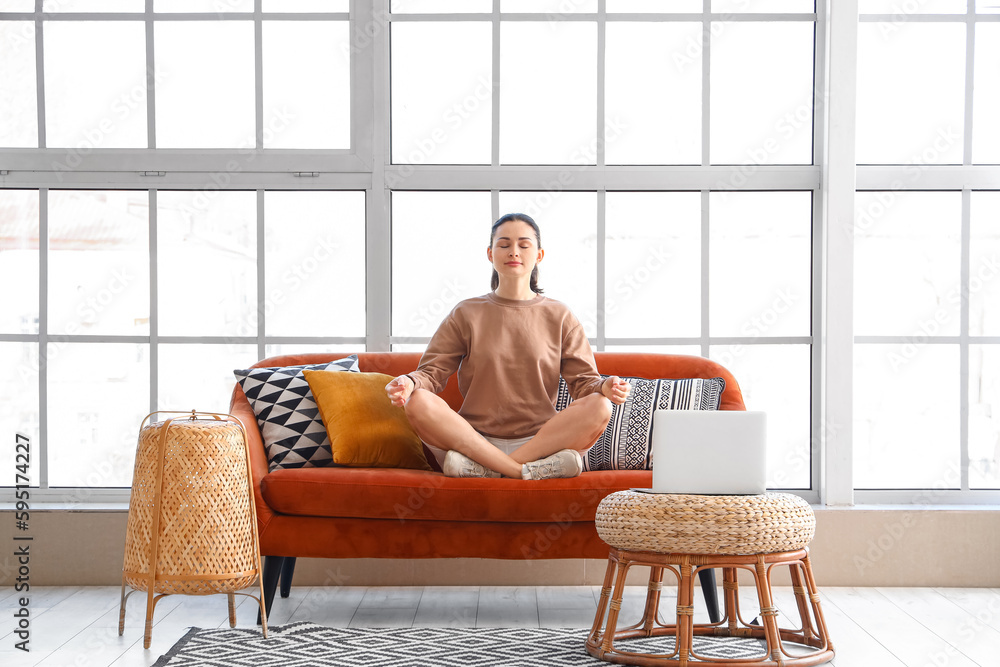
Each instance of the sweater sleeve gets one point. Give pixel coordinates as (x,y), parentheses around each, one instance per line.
(444,354)
(578,367)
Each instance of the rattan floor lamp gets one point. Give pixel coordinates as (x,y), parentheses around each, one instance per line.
(192,526)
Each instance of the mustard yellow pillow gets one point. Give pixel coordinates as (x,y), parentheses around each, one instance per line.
(365,429)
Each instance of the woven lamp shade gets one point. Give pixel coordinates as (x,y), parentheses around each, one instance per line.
(192,526)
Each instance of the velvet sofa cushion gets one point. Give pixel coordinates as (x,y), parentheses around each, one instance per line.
(418,495)
(365,429)
(325,537)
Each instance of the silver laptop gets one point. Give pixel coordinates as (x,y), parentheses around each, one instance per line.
(716,452)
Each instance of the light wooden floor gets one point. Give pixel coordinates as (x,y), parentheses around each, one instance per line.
(78,625)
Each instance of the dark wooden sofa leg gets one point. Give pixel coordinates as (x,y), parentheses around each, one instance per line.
(287,570)
(707,580)
(269,578)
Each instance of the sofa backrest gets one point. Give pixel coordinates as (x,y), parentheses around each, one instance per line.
(649,365)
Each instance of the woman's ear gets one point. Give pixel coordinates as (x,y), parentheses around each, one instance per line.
(489,254)
(541,253)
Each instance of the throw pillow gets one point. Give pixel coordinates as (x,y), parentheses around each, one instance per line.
(625,443)
(289,420)
(364,428)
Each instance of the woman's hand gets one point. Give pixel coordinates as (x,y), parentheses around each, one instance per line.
(616,389)
(399,390)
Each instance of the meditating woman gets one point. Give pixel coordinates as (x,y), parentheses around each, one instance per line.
(509,347)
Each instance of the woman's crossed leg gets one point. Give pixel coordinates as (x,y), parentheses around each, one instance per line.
(576,428)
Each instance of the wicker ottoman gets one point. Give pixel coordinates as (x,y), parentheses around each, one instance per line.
(686,534)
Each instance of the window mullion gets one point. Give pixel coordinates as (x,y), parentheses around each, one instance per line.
(378,203)
(839,183)
(154,317)
(258,74)
(43,338)
(970,71)
(705,273)
(963,335)
(150,77)
(495,97)
(706,87)
(40,74)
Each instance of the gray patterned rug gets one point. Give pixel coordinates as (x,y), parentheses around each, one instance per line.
(309,645)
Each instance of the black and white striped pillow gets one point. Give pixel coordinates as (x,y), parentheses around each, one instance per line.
(625,443)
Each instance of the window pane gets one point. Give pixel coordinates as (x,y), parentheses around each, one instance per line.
(431,225)
(205,85)
(17,5)
(784,397)
(689,350)
(653,111)
(19,261)
(207,263)
(440,6)
(910,98)
(307,5)
(762,93)
(202,6)
(568,225)
(906,416)
(408,347)
(98,394)
(18,101)
(986,94)
(899,10)
(546,119)
(314,241)
(307,79)
(99,262)
(906,263)
(19,407)
(761,250)
(442,93)
(214,364)
(549,6)
(747,6)
(654,6)
(653,264)
(57,6)
(987,7)
(95,85)
(984,416)
(984,265)
(278,350)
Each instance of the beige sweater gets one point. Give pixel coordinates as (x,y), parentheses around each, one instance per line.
(509,355)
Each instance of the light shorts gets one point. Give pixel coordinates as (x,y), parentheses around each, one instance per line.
(505,445)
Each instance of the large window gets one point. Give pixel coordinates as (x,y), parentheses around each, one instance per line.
(925,251)
(560,109)
(188,187)
(129,326)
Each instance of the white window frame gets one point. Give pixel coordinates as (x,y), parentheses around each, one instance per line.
(832,178)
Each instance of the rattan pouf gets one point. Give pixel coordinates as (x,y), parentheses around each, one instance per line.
(685,534)
(192,525)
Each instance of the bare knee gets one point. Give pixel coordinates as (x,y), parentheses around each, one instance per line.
(599,407)
(417,404)
(422,405)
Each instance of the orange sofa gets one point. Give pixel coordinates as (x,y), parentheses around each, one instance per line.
(342,512)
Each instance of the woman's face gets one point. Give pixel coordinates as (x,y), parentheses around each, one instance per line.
(515,250)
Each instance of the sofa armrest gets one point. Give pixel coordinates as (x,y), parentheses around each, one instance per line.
(239,407)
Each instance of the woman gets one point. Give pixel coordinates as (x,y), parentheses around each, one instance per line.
(509,347)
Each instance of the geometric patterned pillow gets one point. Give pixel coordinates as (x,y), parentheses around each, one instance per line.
(625,443)
(290,425)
